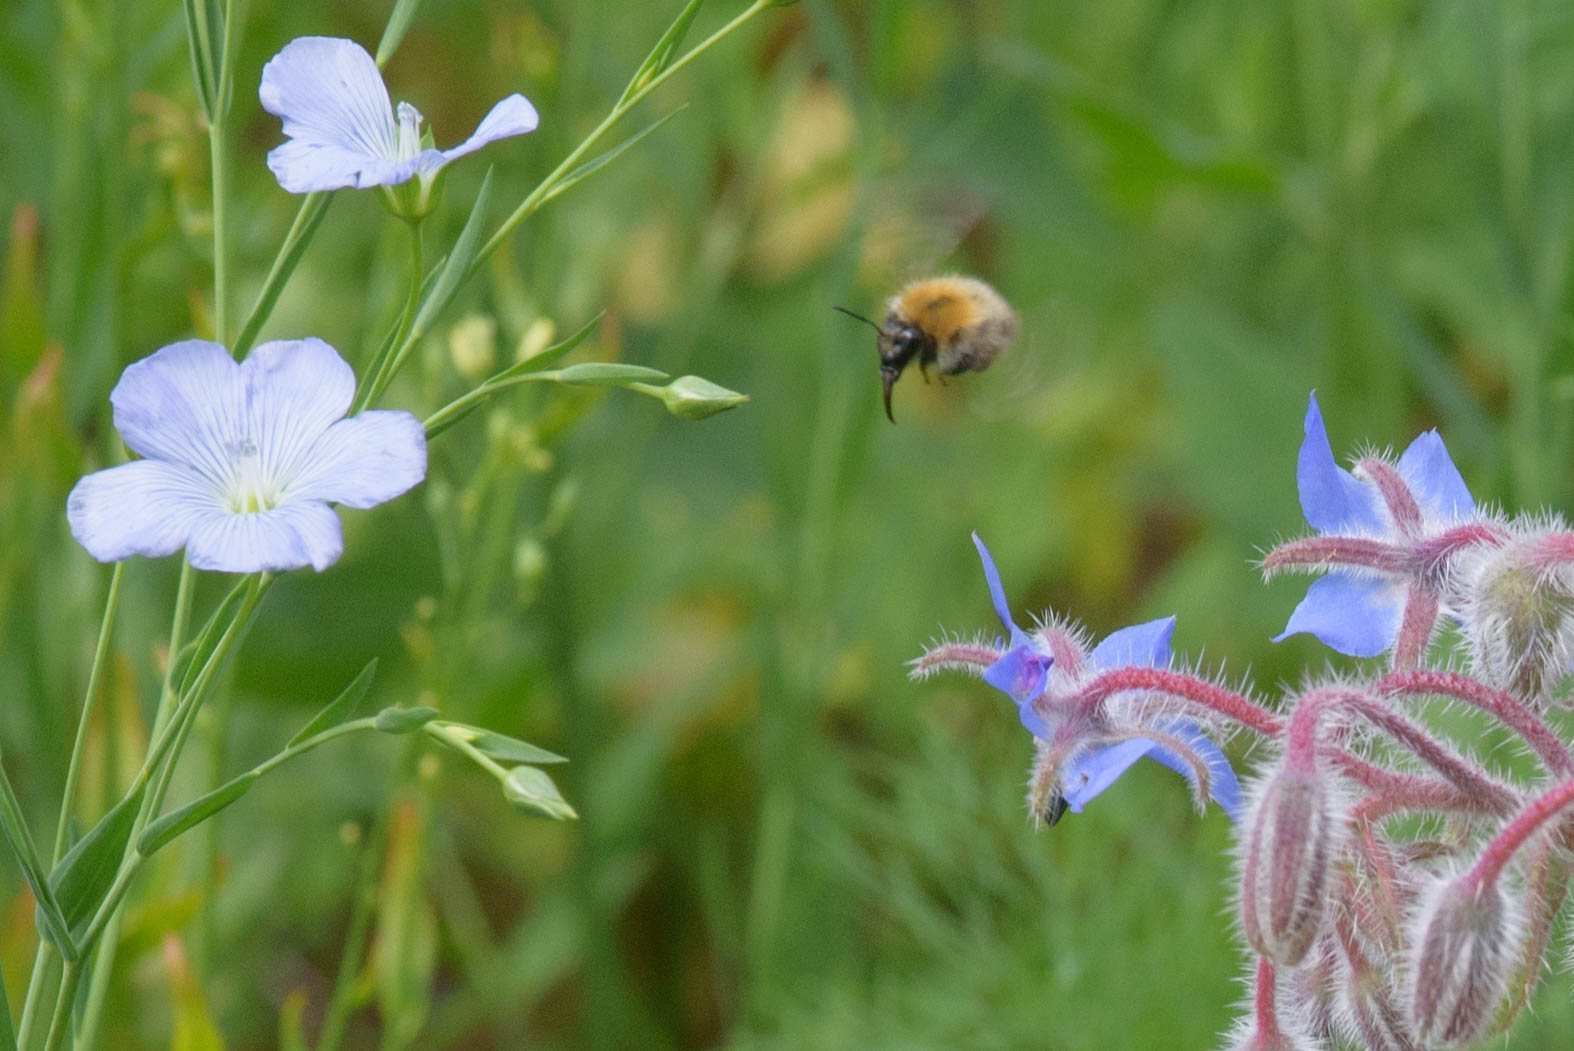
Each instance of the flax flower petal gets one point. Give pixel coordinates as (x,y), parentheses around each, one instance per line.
(512,116)
(301,533)
(363,461)
(295,390)
(182,404)
(146,507)
(336,114)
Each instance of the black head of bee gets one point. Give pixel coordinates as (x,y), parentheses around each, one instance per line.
(898,345)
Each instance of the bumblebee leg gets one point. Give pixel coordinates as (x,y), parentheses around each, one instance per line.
(923,369)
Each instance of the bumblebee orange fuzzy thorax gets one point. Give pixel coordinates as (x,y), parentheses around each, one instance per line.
(944,307)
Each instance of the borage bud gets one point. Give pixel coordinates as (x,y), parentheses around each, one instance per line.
(1517,608)
(1372,1014)
(1290,846)
(1466,941)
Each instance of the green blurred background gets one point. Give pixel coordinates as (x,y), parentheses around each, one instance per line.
(1201,211)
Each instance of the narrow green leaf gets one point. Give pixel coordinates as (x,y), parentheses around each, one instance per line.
(84,875)
(194,655)
(553,354)
(662,54)
(589,168)
(459,259)
(49,917)
(393,33)
(534,792)
(307,219)
(342,706)
(403,720)
(609,374)
(201,48)
(7,1034)
(172,824)
(501,746)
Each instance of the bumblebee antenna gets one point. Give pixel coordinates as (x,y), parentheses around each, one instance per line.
(860,317)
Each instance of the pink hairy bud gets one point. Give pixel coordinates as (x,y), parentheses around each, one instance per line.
(1466,943)
(1517,606)
(1288,859)
(1370,1011)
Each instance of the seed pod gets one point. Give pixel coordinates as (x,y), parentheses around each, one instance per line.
(1466,941)
(1289,853)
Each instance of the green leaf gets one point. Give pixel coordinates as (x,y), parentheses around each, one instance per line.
(7,1034)
(393,33)
(553,354)
(307,219)
(664,52)
(501,746)
(50,921)
(589,168)
(533,792)
(160,832)
(403,720)
(200,44)
(609,374)
(342,706)
(195,654)
(457,264)
(84,875)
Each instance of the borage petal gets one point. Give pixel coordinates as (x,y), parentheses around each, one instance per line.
(363,461)
(1357,616)
(1331,498)
(183,403)
(1094,770)
(1145,645)
(1021,674)
(295,389)
(1223,785)
(335,109)
(997,592)
(304,533)
(1435,481)
(146,507)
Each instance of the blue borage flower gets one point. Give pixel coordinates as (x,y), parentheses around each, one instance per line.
(1384,536)
(343,129)
(1026,670)
(242,459)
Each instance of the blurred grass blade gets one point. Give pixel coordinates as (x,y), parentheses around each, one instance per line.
(404,720)
(666,49)
(454,269)
(534,792)
(84,875)
(52,919)
(307,219)
(7,1034)
(341,707)
(195,654)
(398,23)
(199,42)
(589,168)
(501,746)
(553,354)
(194,1028)
(160,832)
(609,374)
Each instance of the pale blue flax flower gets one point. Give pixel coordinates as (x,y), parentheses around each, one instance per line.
(344,131)
(1385,536)
(1086,752)
(242,459)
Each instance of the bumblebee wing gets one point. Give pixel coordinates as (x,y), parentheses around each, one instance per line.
(909,230)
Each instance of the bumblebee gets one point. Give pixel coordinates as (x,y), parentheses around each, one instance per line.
(957,324)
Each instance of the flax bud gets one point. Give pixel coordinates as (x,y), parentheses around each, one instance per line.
(1289,853)
(1466,941)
